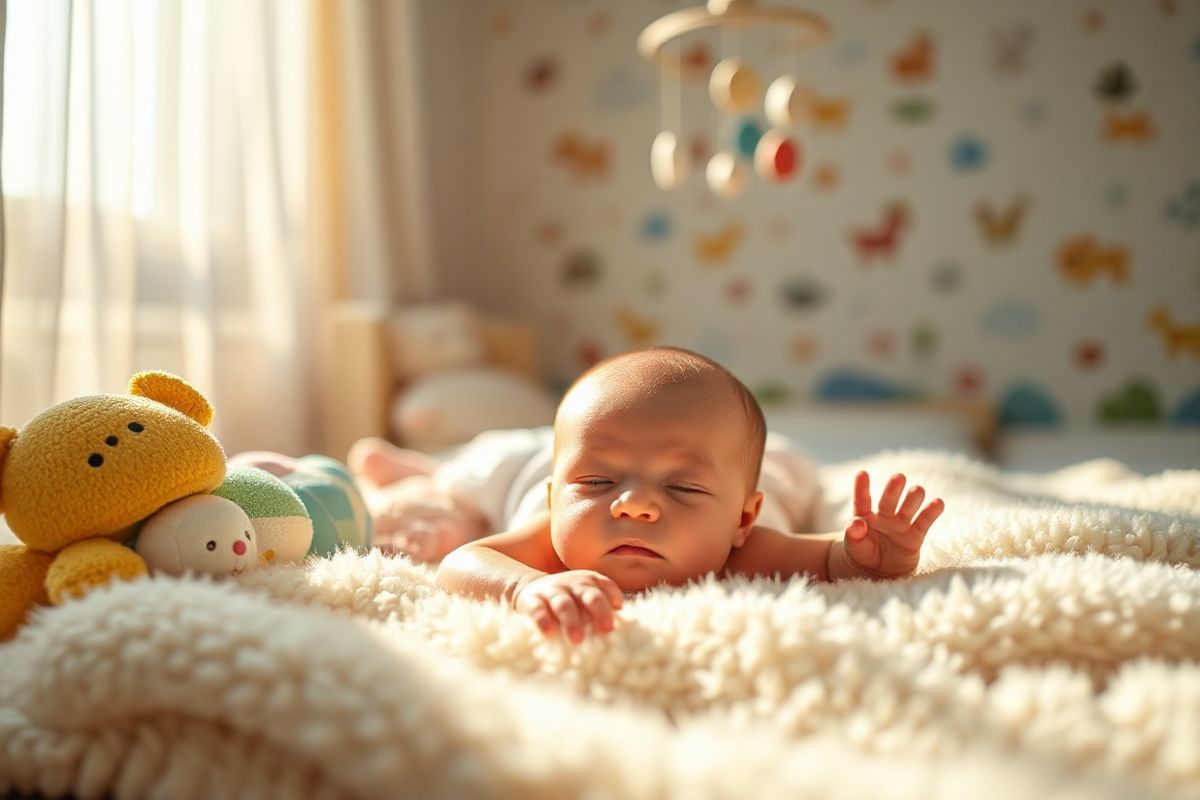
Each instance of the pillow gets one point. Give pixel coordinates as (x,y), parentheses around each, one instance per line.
(452,407)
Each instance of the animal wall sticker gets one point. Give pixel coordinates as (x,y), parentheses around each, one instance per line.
(1000,226)
(914,109)
(639,330)
(584,159)
(1115,84)
(1082,260)
(718,248)
(1133,126)
(881,241)
(915,61)
(1178,339)
(1184,207)
(828,112)
(969,153)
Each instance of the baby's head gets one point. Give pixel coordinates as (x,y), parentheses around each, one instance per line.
(656,461)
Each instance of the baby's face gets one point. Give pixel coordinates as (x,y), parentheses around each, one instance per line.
(651,493)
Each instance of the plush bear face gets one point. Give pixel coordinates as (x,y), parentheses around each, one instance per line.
(95,466)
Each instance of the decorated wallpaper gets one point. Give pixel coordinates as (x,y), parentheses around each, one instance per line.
(994,200)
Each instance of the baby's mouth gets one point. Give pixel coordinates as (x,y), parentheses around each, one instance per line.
(635,550)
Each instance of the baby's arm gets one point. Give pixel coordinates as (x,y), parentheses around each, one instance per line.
(767,552)
(876,544)
(521,568)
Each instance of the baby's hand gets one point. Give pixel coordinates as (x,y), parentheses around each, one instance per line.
(569,600)
(887,543)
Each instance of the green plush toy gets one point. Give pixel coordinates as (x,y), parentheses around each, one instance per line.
(281,520)
(327,492)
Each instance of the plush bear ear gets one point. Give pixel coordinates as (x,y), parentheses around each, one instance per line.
(169,390)
(7,437)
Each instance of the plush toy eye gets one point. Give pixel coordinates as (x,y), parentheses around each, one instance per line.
(211,546)
(95,459)
(111,441)
(247,535)
(136,427)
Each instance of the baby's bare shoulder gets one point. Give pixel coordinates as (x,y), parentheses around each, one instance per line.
(529,543)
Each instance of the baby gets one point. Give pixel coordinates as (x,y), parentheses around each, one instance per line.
(654,480)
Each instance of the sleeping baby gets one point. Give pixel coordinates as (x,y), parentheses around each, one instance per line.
(658,471)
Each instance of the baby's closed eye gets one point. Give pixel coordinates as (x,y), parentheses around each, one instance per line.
(594,482)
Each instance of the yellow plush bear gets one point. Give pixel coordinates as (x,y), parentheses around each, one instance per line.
(82,474)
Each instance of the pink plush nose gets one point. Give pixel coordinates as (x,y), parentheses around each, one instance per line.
(239,547)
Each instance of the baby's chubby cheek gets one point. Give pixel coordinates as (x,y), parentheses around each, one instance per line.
(572,534)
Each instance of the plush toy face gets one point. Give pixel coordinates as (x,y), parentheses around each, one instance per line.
(95,466)
(203,534)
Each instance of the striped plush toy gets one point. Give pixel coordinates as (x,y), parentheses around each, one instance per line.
(339,515)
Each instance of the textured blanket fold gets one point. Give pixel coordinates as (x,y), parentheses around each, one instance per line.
(1048,647)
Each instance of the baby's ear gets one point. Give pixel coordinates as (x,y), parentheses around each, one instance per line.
(172,391)
(7,437)
(750,510)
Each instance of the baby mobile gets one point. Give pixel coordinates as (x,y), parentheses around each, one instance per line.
(736,89)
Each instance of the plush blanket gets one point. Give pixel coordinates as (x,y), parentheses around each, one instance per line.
(1048,647)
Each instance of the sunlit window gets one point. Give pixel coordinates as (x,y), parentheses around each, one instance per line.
(79,80)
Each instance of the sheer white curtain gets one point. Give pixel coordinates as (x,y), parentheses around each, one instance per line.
(156,180)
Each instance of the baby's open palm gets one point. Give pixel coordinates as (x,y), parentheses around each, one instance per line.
(886,542)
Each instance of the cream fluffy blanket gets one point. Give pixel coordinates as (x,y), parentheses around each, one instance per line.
(1048,648)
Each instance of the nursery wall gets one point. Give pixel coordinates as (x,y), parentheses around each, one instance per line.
(1044,157)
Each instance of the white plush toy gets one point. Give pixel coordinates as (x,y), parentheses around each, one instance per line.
(450,394)
(203,534)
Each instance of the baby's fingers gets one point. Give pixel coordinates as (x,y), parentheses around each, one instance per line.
(857,529)
(862,494)
(929,515)
(598,608)
(616,598)
(542,616)
(567,611)
(912,501)
(891,494)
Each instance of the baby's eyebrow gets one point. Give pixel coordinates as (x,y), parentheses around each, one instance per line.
(693,459)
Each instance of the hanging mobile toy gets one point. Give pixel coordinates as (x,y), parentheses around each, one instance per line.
(735,88)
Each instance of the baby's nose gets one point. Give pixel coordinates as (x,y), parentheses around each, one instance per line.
(239,547)
(635,506)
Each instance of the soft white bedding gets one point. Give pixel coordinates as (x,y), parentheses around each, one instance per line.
(1048,648)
